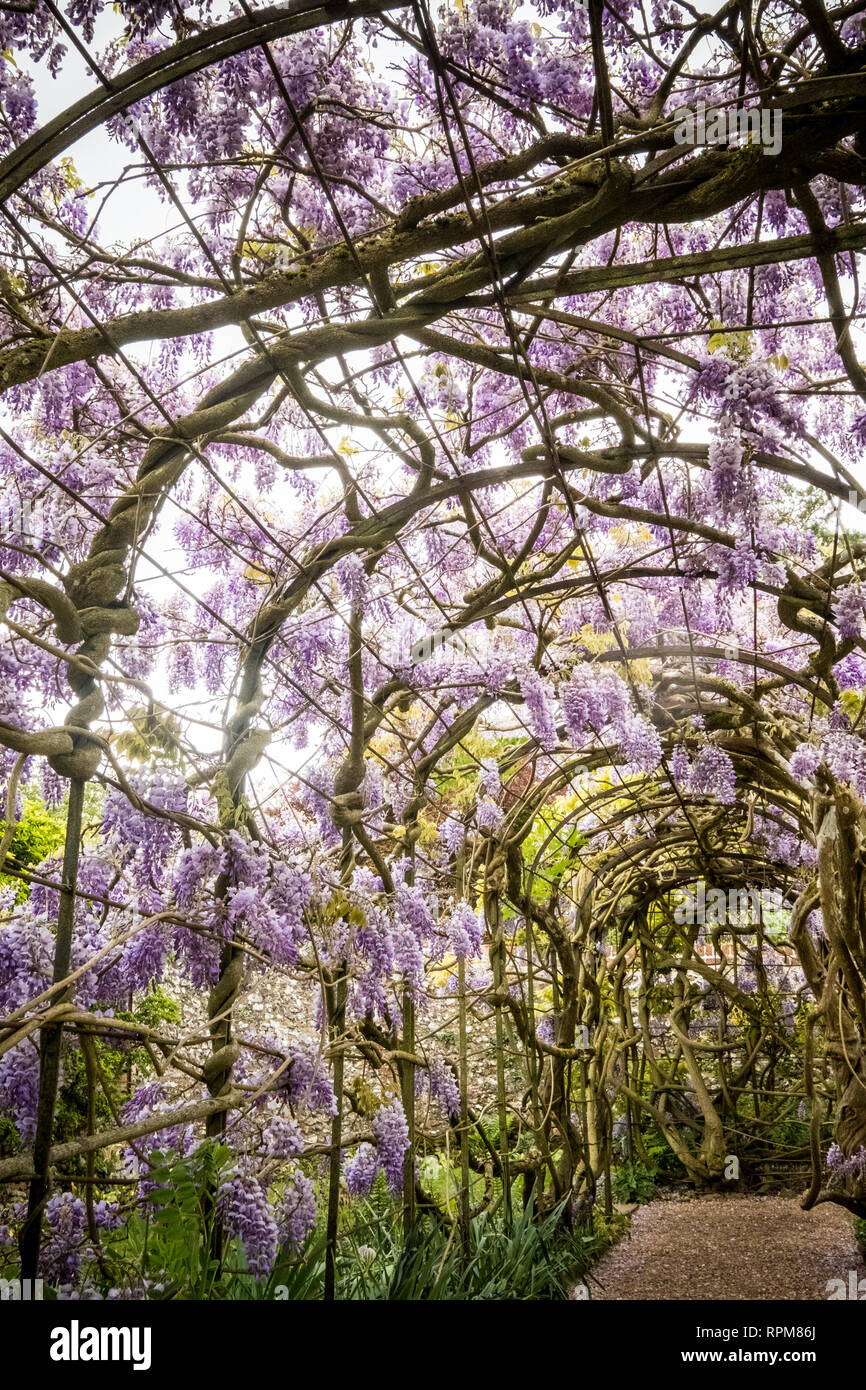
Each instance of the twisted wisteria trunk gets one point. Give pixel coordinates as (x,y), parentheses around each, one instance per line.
(335,1006)
(496,952)
(835,967)
(51,1041)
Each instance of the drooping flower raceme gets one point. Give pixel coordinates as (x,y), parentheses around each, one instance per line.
(392,1140)
(243,1207)
(463,929)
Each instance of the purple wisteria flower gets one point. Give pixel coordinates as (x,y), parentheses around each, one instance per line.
(62,1251)
(362,1169)
(844,1166)
(296,1211)
(391,1133)
(243,1208)
(464,930)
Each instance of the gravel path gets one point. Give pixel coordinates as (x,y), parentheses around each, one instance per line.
(729,1247)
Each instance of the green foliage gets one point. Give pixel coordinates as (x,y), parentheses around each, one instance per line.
(531,1261)
(461,769)
(72,1101)
(177,1239)
(663,1160)
(39,833)
(634,1182)
(809,509)
(156,1007)
(10,1139)
(660,1000)
(558,851)
(153,738)
(787,1135)
(484,1140)
(442,1180)
(170,1248)
(167,1253)
(116,1067)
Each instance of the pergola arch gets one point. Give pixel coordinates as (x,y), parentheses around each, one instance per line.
(538,375)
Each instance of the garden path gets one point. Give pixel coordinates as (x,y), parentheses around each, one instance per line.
(730,1247)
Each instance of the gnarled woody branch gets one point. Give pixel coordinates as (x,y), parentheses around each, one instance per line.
(21,1167)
